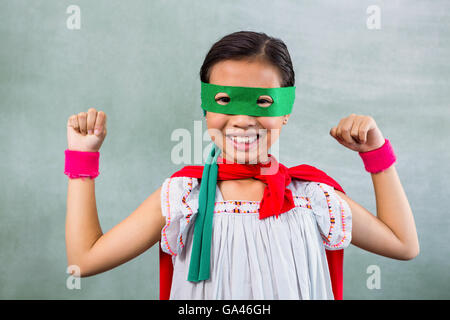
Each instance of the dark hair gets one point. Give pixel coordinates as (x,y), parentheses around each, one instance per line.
(249,44)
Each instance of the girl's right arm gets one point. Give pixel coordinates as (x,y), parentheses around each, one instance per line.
(94,252)
(87,247)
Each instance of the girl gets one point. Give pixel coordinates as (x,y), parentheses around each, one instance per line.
(243,226)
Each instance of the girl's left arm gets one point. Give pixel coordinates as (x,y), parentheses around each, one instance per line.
(392,232)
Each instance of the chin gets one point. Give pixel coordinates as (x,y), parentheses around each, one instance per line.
(246,158)
(242,157)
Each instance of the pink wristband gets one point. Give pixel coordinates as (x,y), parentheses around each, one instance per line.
(81,164)
(379,159)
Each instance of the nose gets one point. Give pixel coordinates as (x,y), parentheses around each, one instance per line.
(242,121)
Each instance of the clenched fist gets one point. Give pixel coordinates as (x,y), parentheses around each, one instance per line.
(358,132)
(86,131)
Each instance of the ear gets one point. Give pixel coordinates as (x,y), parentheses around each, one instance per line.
(286,117)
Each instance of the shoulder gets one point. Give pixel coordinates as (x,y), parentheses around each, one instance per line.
(299,187)
(307,188)
(175,184)
(177,192)
(316,195)
(316,191)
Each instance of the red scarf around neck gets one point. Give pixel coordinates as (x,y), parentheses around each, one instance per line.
(277,199)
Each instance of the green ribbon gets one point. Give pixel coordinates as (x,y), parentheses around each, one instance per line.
(243,100)
(199,267)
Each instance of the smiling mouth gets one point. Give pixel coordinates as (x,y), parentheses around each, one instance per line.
(244,142)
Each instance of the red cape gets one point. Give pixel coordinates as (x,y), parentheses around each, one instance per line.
(306,172)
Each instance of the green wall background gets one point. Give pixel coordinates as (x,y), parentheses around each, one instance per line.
(139,61)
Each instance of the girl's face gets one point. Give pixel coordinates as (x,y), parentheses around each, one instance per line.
(243,138)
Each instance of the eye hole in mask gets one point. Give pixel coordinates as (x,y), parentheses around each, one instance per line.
(222,98)
(264,101)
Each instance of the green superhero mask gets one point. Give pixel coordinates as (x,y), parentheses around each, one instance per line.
(243,100)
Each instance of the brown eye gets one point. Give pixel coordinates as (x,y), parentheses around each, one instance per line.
(264,101)
(222,98)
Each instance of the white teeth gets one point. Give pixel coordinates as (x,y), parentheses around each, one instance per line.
(244,139)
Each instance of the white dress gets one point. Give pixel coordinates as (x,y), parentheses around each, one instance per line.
(269,259)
